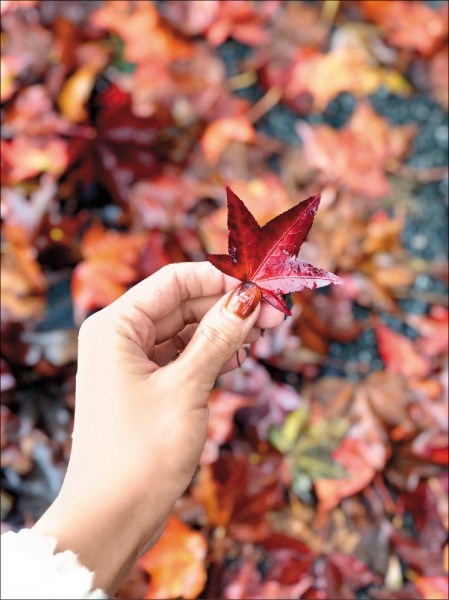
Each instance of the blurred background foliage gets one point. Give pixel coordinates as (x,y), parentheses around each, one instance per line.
(325,470)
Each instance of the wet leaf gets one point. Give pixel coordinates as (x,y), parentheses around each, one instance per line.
(267,256)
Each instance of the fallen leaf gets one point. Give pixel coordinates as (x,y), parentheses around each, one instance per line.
(176,563)
(402,21)
(433,329)
(144,35)
(433,588)
(24,158)
(76,91)
(219,19)
(287,573)
(236,494)
(354,572)
(122,149)
(8,73)
(438,77)
(399,353)
(356,155)
(222,131)
(111,265)
(163,201)
(350,454)
(222,407)
(23,284)
(313,78)
(267,256)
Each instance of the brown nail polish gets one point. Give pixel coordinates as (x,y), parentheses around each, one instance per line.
(243,301)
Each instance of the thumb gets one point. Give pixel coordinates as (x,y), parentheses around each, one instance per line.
(220,334)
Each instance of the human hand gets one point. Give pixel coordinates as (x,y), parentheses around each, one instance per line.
(141,416)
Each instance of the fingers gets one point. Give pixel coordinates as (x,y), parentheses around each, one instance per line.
(269,316)
(194,309)
(183,293)
(220,334)
(162,293)
(167,351)
(170,349)
(236,361)
(177,296)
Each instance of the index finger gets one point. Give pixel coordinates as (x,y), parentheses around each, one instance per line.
(162,293)
(181,294)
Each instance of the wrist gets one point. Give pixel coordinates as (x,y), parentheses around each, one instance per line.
(107,538)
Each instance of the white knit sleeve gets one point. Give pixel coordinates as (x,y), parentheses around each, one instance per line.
(31,569)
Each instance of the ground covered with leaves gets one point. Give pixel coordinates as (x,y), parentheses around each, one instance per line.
(325,469)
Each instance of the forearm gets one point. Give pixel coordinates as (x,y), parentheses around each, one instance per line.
(107,538)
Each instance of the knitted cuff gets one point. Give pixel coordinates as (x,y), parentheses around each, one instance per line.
(31,569)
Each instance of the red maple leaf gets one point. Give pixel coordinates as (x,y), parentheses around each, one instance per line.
(268,255)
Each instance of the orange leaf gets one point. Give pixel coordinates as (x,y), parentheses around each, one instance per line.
(352,455)
(321,77)
(219,133)
(356,155)
(76,92)
(8,72)
(410,25)
(438,75)
(433,588)
(111,265)
(399,354)
(22,283)
(176,563)
(25,158)
(139,25)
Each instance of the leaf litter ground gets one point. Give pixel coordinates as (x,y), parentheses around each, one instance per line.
(324,474)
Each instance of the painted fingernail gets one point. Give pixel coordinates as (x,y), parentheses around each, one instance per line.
(243,301)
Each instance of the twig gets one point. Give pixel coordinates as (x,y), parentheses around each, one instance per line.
(428,297)
(329,11)
(420,175)
(266,103)
(241,81)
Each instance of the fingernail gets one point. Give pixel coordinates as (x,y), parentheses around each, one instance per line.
(243,301)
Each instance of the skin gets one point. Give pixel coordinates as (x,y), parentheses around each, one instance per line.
(141,416)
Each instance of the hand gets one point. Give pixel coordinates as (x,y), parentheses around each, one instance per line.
(141,416)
